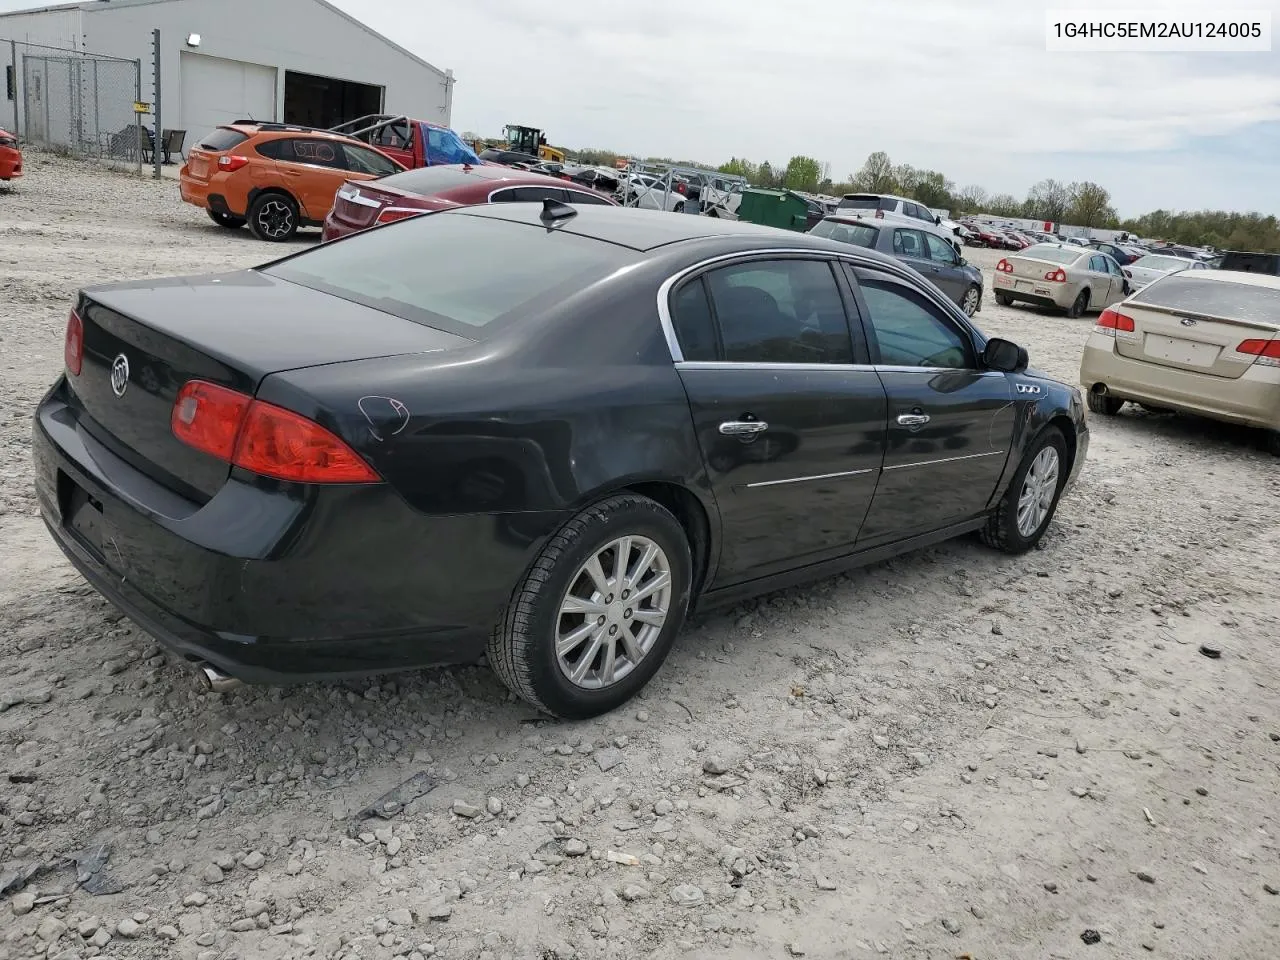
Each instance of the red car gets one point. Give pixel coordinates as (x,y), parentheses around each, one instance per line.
(363,204)
(10,156)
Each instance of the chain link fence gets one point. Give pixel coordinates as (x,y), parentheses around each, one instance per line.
(79,103)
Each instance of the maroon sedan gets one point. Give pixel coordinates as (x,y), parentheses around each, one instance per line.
(361,204)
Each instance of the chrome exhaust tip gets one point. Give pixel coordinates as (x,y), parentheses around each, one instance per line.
(214,680)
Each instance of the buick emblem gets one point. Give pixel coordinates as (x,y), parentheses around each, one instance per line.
(120,375)
(1188,322)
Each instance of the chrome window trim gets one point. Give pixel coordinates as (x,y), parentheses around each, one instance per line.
(893,270)
(929,463)
(824,367)
(820,476)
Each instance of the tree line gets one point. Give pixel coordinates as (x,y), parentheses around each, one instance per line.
(1083,204)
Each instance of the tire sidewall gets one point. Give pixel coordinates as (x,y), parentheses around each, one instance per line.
(1051,436)
(555,690)
(1079,305)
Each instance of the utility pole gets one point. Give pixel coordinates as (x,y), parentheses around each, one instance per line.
(157,147)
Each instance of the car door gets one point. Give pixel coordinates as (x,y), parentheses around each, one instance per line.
(1118,282)
(1099,281)
(946,267)
(314,170)
(950,423)
(789,415)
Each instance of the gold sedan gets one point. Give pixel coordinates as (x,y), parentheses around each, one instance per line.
(1205,343)
(1061,275)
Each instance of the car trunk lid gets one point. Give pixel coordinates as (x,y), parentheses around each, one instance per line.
(360,204)
(144,341)
(1198,324)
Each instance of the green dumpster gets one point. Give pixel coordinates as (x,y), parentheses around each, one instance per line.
(774,208)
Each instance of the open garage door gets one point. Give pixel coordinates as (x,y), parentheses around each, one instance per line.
(314,101)
(217,91)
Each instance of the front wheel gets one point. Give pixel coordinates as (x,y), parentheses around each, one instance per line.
(598,612)
(972,297)
(1024,512)
(274,217)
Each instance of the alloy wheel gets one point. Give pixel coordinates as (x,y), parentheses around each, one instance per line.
(275,218)
(1038,490)
(971,301)
(613,612)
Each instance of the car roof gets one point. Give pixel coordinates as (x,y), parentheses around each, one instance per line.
(645,230)
(1242,277)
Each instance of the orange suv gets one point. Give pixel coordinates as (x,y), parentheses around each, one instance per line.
(275,177)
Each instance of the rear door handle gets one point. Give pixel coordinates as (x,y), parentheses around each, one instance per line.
(913,419)
(743,428)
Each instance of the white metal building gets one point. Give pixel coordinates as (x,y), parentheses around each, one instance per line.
(297,61)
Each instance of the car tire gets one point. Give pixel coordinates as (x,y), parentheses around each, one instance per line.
(1079,305)
(226,220)
(1103,403)
(524,648)
(1027,507)
(274,217)
(971,300)
(1271,441)
(1004,299)
(678,208)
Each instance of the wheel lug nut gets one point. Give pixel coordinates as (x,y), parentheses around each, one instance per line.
(625,594)
(613,629)
(627,612)
(600,621)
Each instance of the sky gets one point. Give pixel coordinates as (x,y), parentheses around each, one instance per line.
(965,87)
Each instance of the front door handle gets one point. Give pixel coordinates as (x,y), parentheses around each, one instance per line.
(913,419)
(743,428)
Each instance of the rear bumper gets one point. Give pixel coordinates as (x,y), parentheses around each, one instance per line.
(274,582)
(1038,292)
(10,164)
(1253,399)
(335,229)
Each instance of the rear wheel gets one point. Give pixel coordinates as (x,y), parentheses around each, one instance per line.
(1003,299)
(972,297)
(1272,441)
(1104,403)
(1079,305)
(274,217)
(1024,512)
(598,612)
(226,220)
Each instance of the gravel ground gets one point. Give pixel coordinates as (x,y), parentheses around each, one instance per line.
(953,753)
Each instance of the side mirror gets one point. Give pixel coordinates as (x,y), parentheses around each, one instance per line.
(1005,356)
(938,221)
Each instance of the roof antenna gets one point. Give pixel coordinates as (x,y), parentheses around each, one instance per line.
(553,210)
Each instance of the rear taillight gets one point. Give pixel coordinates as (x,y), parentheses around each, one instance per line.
(879,214)
(1056,276)
(73,347)
(392,214)
(1112,322)
(1266,351)
(230,163)
(263,438)
(1004,266)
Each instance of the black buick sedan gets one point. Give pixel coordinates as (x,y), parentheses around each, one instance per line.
(531,431)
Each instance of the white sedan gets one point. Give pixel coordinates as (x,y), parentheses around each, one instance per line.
(1153,266)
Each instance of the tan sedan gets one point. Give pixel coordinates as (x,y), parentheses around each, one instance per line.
(1061,275)
(1205,343)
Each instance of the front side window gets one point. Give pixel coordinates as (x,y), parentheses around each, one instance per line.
(939,250)
(362,160)
(910,331)
(577,196)
(780,311)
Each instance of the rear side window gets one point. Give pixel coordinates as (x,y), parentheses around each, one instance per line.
(318,153)
(859,234)
(275,149)
(528,195)
(464,274)
(223,139)
(695,329)
(1213,298)
(909,243)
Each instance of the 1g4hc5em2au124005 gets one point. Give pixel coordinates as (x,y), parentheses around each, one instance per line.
(1169,30)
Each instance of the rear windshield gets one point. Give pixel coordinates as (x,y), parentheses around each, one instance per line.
(455,272)
(856,233)
(1213,298)
(223,139)
(427,181)
(1052,254)
(859,203)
